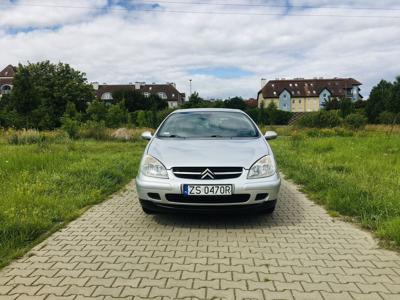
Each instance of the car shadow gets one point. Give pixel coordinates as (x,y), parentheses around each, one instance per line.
(286,213)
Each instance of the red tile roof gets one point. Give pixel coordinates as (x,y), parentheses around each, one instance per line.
(308,87)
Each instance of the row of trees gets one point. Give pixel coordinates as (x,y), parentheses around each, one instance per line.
(46,96)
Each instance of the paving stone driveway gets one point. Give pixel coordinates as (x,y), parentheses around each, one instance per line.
(115,251)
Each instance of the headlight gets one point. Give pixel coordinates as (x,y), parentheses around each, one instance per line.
(153,168)
(264,167)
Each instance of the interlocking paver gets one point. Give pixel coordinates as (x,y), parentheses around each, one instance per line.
(115,251)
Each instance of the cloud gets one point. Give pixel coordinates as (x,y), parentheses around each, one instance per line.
(127,41)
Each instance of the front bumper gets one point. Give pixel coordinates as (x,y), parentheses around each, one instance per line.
(147,187)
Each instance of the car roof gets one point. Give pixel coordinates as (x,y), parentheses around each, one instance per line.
(207,110)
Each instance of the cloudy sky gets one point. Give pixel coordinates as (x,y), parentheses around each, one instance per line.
(224,46)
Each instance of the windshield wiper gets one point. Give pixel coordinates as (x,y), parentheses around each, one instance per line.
(173,136)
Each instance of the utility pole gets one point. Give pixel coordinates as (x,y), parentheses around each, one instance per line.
(190,85)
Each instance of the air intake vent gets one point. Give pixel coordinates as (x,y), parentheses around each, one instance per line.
(207,173)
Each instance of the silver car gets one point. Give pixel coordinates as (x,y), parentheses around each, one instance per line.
(208,160)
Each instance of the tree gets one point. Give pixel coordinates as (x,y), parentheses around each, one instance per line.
(41,92)
(97,111)
(332,103)
(271,112)
(132,100)
(346,107)
(236,103)
(195,98)
(155,103)
(393,104)
(379,98)
(116,116)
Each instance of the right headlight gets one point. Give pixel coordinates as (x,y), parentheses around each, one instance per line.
(264,167)
(153,168)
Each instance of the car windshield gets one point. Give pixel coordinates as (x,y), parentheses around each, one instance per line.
(208,124)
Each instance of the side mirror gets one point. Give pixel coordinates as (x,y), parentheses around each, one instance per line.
(270,135)
(146,135)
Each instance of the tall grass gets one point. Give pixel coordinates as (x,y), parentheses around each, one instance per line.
(43,187)
(357,175)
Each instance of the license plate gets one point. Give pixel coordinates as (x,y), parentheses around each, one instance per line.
(207,190)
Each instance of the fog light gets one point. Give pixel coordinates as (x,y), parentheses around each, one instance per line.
(261,196)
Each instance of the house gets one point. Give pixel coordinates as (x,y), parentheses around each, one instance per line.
(167,92)
(304,95)
(6,78)
(251,103)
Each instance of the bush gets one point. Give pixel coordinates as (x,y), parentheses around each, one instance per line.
(93,129)
(116,116)
(320,119)
(388,118)
(70,126)
(355,121)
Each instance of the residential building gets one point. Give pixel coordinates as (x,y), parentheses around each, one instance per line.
(251,103)
(304,95)
(167,92)
(6,78)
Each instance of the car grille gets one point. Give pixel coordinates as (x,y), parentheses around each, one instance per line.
(235,198)
(207,172)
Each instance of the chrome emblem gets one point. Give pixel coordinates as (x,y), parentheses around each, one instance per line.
(207,173)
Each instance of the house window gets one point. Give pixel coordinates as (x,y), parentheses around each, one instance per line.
(162,95)
(314,92)
(284,104)
(295,84)
(290,84)
(146,94)
(284,96)
(298,92)
(274,93)
(150,88)
(325,95)
(106,96)
(5,89)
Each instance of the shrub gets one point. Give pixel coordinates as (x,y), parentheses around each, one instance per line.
(387,117)
(70,126)
(355,121)
(320,119)
(93,129)
(116,116)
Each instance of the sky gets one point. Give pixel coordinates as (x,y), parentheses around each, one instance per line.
(224,46)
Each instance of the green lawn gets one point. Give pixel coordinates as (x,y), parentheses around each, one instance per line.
(357,176)
(42,186)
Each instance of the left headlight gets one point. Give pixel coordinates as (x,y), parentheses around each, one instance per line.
(153,168)
(264,167)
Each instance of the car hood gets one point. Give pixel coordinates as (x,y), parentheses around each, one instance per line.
(208,152)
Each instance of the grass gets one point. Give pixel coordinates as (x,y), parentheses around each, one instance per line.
(356,175)
(45,185)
